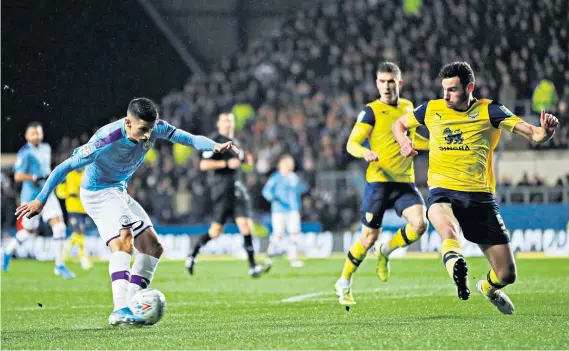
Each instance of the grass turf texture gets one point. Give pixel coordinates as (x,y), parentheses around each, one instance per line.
(222,308)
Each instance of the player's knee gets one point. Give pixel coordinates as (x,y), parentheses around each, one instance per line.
(509,275)
(59,230)
(369,237)
(156,250)
(371,220)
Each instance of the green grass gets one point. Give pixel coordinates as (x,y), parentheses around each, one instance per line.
(222,308)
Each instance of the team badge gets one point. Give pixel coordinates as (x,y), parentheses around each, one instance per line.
(507,112)
(473,115)
(147,145)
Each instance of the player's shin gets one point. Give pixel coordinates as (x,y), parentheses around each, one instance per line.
(404,237)
(292,247)
(142,273)
(21,237)
(492,283)
(119,265)
(355,257)
(450,252)
(202,240)
(59,233)
(248,244)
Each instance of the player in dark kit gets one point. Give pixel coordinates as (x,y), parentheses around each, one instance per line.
(229,196)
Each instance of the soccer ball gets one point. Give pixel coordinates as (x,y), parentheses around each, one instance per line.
(148,304)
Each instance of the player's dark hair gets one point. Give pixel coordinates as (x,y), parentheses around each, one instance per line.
(462,70)
(389,67)
(33,124)
(144,109)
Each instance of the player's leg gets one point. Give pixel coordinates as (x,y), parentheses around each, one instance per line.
(80,241)
(502,274)
(410,205)
(149,251)
(442,218)
(487,229)
(245,224)
(278,220)
(145,263)
(293,227)
(115,223)
(53,214)
(374,206)
(215,230)
(221,211)
(29,227)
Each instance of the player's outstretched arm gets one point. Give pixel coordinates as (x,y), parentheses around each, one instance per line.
(399,129)
(34,207)
(200,142)
(549,124)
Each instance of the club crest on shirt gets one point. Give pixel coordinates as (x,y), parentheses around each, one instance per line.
(147,145)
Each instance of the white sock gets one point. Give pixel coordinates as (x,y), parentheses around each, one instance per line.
(59,234)
(292,247)
(345,283)
(142,273)
(119,265)
(20,238)
(273,245)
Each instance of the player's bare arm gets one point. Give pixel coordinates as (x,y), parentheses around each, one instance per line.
(541,134)
(400,128)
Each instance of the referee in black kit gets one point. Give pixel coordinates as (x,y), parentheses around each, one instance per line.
(229,196)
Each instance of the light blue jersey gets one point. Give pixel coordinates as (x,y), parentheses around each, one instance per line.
(111,158)
(284,192)
(35,161)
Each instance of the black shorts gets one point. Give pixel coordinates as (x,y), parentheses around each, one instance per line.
(231,204)
(380,196)
(477,213)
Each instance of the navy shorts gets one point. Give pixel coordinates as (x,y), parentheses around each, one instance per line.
(381,196)
(477,213)
(78,221)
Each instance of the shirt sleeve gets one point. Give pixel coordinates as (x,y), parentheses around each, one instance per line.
(268,189)
(417,117)
(366,116)
(22,162)
(79,159)
(501,117)
(164,130)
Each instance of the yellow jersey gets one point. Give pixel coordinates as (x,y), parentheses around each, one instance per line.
(374,123)
(461,143)
(69,190)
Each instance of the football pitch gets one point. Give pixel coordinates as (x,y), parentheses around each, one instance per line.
(290,308)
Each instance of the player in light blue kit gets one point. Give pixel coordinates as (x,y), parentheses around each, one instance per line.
(111,156)
(284,189)
(33,165)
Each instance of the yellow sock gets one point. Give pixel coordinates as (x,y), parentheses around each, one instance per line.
(450,250)
(356,255)
(404,236)
(492,283)
(79,240)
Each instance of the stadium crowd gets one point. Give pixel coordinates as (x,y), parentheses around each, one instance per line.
(299,91)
